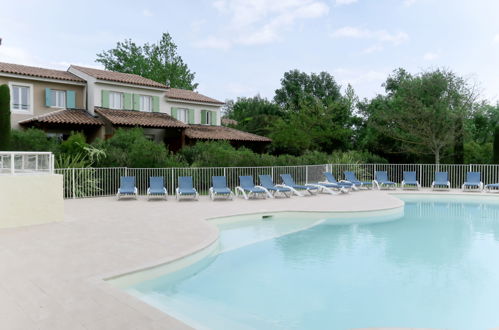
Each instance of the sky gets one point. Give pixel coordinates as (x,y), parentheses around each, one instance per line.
(241,48)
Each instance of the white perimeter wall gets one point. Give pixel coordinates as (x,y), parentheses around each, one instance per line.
(30,199)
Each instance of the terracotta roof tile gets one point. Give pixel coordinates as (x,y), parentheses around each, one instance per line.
(187,95)
(138,118)
(126,78)
(205,132)
(71,117)
(32,71)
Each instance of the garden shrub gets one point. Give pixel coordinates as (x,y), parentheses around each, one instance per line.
(130,148)
(33,139)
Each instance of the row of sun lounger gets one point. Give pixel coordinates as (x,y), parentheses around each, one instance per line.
(247,188)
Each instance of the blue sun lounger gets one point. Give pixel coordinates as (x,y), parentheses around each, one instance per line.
(185,188)
(410,181)
(266,182)
(381,180)
(352,178)
(441,181)
(473,182)
(248,189)
(492,187)
(156,187)
(219,188)
(127,187)
(331,182)
(288,182)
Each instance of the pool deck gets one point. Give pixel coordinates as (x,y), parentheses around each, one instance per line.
(52,274)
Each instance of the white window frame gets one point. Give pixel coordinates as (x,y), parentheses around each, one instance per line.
(55,92)
(28,111)
(207,120)
(122,100)
(141,103)
(185,114)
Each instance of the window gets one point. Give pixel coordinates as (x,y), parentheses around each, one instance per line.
(145,103)
(182,115)
(115,100)
(207,117)
(58,99)
(21,97)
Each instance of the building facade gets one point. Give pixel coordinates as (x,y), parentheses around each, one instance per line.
(97,102)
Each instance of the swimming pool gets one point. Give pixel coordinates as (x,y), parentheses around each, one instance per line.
(434,266)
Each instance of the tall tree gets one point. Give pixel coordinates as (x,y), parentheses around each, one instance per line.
(157,61)
(254,114)
(4,117)
(495,158)
(316,115)
(298,87)
(421,112)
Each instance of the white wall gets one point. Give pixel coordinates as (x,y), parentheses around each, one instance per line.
(30,199)
(94,91)
(169,103)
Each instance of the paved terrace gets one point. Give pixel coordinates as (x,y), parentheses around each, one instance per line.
(52,273)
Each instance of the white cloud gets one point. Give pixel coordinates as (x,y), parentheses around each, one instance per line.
(431,56)
(496,38)
(147,13)
(345,2)
(253,22)
(379,35)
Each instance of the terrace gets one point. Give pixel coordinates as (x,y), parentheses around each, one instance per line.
(57,280)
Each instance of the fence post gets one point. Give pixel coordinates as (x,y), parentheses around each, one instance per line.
(73,182)
(306,174)
(12,168)
(272,173)
(421,175)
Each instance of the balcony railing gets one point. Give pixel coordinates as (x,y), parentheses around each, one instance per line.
(25,163)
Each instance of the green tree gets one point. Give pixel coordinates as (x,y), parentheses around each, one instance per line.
(421,111)
(317,116)
(4,117)
(496,145)
(298,87)
(254,114)
(157,61)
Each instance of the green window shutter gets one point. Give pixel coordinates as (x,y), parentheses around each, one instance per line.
(70,99)
(155,104)
(136,102)
(213,117)
(191,116)
(174,113)
(203,117)
(127,101)
(48,97)
(105,99)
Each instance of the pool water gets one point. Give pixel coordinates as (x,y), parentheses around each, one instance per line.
(435,267)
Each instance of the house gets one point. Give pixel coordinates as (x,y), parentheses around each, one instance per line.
(97,102)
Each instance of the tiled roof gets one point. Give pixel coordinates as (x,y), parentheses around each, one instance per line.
(126,78)
(138,118)
(32,71)
(68,117)
(228,121)
(205,132)
(187,95)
